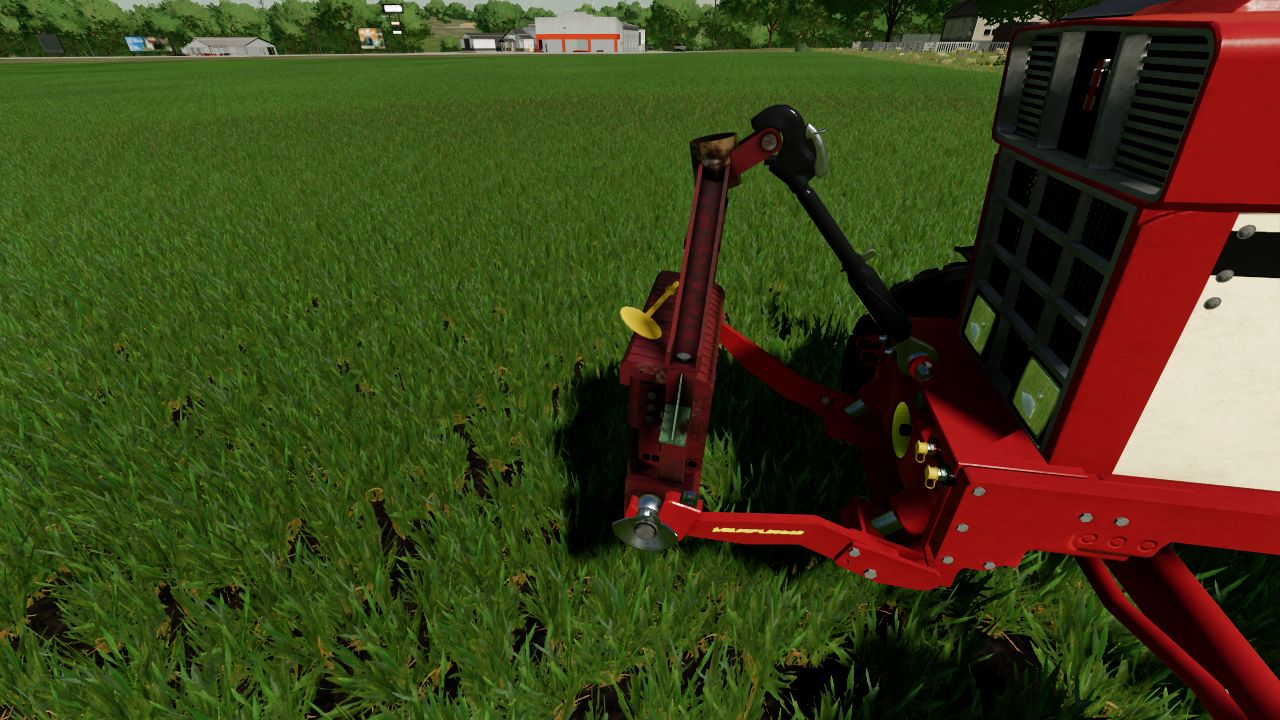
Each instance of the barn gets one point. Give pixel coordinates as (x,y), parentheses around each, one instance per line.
(480,41)
(228,46)
(579,32)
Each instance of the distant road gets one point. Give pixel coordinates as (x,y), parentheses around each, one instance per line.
(193,58)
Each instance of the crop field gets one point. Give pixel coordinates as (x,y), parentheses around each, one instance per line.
(309,402)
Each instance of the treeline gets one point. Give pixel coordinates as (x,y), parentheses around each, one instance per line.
(98,27)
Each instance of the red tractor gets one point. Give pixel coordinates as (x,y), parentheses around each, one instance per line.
(1098,378)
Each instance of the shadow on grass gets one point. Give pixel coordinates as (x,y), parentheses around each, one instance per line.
(788,465)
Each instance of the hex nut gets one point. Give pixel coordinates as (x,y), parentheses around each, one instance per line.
(962,527)
(1122,521)
(947,559)
(979,491)
(870,574)
(988,565)
(1225,275)
(1086,517)
(855,552)
(1246,232)
(1212,303)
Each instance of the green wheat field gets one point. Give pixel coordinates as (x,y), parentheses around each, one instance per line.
(309,402)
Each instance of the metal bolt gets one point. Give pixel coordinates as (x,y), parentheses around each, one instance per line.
(1212,303)
(769,142)
(1246,232)
(924,370)
(870,574)
(988,565)
(650,407)
(1086,517)
(1122,521)
(652,395)
(683,357)
(826,400)
(1225,275)
(979,491)
(947,559)
(962,527)
(854,552)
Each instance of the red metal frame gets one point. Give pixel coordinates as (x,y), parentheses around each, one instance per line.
(1003,496)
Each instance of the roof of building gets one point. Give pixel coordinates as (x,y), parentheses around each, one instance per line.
(629,26)
(964,8)
(227,41)
(484,36)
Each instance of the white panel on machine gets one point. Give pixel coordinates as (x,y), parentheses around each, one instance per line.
(1214,416)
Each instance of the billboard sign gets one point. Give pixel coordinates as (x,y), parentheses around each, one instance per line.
(370,38)
(146,44)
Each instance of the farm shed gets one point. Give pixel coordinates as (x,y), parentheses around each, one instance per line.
(480,41)
(962,23)
(517,40)
(228,46)
(582,32)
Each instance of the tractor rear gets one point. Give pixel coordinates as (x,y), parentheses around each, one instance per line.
(1097,378)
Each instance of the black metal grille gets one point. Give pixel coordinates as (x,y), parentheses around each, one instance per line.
(1102,227)
(1059,204)
(1010,231)
(1022,183)
(1168,85)
(1083,285)
(1029,306)
(998,279)
(1062,239)
(1035,87)
(1043,256)
(1064,340)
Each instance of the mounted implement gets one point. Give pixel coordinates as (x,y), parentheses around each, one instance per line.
(1098,378)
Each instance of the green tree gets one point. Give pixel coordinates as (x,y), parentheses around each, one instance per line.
(235,19)
(587,8)
(497,16)
(724,31)
(628,12)
(179,21)
(1004,11)
(672,22)
(892,12)
(537,12)
(458,11)
(105,24)
(415,25)
(336,22)
(437,9)
(769,13)
(291,23)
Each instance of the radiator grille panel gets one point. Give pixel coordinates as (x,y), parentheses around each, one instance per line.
(1043,264)
(1035,88)
(1168,85)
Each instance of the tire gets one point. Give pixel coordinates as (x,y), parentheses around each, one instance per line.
(934,293)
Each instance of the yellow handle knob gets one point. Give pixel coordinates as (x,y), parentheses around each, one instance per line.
(924,450)
(932,475)
(671,290)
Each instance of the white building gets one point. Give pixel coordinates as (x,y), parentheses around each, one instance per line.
(480,41)
(579,32)
(228,46)
(963,24)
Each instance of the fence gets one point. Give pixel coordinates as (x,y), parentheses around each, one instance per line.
(931,46)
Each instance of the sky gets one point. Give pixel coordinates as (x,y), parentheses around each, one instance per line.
(556,5)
